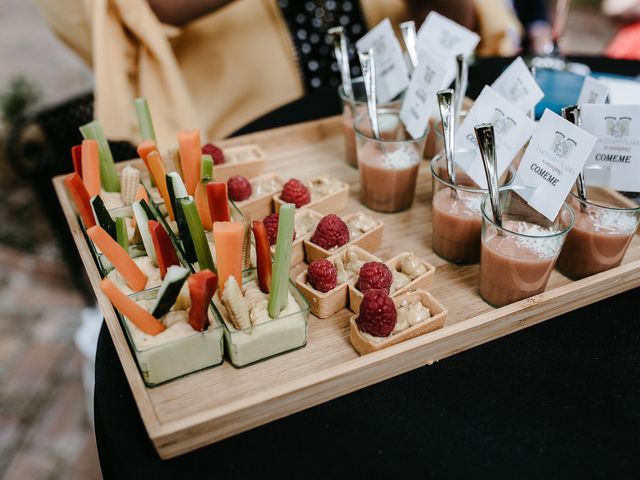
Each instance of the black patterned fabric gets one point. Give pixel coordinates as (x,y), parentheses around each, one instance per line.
(308,22)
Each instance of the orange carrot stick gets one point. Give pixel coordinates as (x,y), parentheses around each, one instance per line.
(81,198)
(156,167)
(91,167)
(202,204)
(118,256)
(191,153)
(228,238)
(141,194)
(76,158)
(130,309)
(144,149)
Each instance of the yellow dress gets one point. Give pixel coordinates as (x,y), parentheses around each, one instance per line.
(217,73)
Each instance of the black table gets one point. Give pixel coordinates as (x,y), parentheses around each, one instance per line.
(558,399)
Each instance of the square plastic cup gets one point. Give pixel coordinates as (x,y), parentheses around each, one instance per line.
(166,361)
(456,216)
(268,339)
(388,166)
(604,227)
(353,109)
(516,259)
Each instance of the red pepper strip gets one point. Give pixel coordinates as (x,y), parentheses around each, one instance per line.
(263,256)
(202,286)
(80,196)
(76,157)
(218,201)
(165,251)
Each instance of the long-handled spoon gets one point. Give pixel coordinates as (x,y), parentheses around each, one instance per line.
(446,101)
(408,30)
(340,49)
(368,65)
(571,113)
(462,80)
(487,143)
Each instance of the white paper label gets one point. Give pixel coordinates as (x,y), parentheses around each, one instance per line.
(556,153)
(444,39)
(593,91)
(624,92)
(512,129)
(617,153)
(392,76)
(418,105)
(517,85)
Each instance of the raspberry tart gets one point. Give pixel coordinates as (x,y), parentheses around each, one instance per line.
(323,194)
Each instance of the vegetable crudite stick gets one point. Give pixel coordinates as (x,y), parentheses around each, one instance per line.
(119,258)
(102,216)
(177,190)
(130,309)
(202,286)
(199,239)
(91,166)
(169,291)
(190,153)
(218,201)
(76,158)
(81,199)
(142,221)
(263,256)
(144,149)
(122,236)
(202,201)
(108,173)
(165,251)
(159,174)
(228,238)
(145,123)
(141,194)
(280,280)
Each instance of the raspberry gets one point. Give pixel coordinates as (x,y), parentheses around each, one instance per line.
(331,232)
(323,275)
(295,192)
(374,275)
(271,225)
(239,188)
(378,314)
(216,153)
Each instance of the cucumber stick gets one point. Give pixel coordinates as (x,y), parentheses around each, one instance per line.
(108,174)
(103,218)
(121,233)
(279,291)
(169,290)
(177,191)
(142,220)
(198,237)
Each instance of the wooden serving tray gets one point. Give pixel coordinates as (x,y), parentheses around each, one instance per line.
(209,406)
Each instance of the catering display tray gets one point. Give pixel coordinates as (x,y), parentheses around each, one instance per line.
(214,404)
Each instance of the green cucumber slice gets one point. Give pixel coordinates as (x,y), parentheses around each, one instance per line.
(143,226)
(121,233)
(169,290)
(103,218)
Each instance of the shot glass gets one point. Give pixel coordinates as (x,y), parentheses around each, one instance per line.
(456,219)
(389,166)
(353,109)
(604,227)
(516,259)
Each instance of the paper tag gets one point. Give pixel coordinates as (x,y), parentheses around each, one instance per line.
(517,85)
(593,91)
(624,92)
(512,129)
(444,39)
(392,76)
(418,105)
(617,128)
(555,155)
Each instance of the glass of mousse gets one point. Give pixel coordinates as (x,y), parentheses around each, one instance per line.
(604,226)
(359,107)
(389,165)
(516,259)
(456,213)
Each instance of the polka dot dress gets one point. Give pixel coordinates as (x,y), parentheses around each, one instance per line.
(308,22)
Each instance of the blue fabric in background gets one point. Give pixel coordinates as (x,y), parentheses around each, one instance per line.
(562,88)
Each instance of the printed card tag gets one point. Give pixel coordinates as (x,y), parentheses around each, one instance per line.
(556,153)
(617,128)
(512,129)
(444,39)
(593,91)
(392,76)
(517,85)
(418,105)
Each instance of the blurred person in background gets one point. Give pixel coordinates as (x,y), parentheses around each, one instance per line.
(217,64)
(534,16)
(626,43)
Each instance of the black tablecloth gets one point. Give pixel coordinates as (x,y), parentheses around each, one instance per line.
(558,399)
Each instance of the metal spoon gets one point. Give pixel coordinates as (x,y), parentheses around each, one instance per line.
(571,113)
(446,100)
(341,52)
(532,113)
(368,64)
(462,80)
(409,36)
(487,143)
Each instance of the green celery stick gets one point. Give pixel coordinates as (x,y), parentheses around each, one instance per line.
(108,173)
(205,261)
(206,169)
(278,295)
(147,132)
(121,233)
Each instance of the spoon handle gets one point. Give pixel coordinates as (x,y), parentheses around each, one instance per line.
(462,80)
(342,57)
(368,64)
(408,30)
(571,113)
(487,143)
(446,100)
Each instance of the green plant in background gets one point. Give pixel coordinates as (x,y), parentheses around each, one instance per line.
(20,96)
